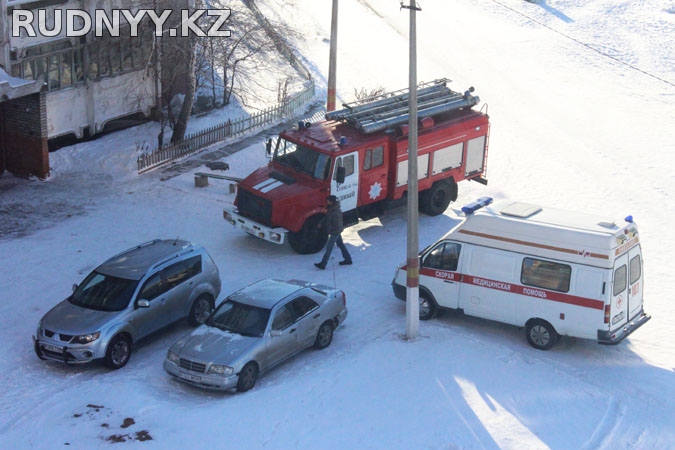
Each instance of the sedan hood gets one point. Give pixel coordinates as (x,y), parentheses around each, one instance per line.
(210,344)
(66,318)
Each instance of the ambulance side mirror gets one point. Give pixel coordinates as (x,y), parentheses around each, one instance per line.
(340,175)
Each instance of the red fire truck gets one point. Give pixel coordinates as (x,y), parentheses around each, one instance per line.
(360,154)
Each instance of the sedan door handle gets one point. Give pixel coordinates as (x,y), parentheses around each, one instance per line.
(316,316)
(292,331)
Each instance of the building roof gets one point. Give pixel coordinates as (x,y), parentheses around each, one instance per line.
(12,87)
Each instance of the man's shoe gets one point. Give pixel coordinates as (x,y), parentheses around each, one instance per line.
(320,266)
(346,263)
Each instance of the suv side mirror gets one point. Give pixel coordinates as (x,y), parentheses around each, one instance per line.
(74,287)
(340,174)
(142,303)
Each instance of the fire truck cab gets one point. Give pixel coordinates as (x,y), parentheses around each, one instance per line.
(360,155)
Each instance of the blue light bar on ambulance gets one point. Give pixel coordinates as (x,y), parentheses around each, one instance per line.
(476,205)
(629,219)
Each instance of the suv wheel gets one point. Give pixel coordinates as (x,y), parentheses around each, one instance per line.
(118,352)
(201,310)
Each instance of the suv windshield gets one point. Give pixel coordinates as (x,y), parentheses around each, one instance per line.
(302,159)
(103,292)
(239,318)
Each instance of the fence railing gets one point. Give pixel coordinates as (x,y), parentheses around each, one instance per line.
(194,142)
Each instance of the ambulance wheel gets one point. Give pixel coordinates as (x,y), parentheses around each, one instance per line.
(436,200)
(540,334)
(427,307)
(311,238)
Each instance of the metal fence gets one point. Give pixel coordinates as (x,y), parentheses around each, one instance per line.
(194,142)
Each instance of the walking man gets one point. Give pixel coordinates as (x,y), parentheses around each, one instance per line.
(334,228)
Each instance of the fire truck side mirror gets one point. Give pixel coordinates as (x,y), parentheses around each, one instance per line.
(340,175)
(268,148)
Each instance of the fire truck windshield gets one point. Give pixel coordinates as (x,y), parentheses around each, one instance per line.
(302,159)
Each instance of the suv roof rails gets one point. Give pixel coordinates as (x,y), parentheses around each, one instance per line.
(181,252)
(136,247)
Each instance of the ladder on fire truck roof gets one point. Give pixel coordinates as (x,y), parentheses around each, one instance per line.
(376,113)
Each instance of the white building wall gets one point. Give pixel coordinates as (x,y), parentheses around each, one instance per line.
(92,103)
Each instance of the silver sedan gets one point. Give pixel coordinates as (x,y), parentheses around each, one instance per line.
(255,329)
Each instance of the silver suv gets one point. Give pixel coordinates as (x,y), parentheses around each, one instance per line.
(128,297)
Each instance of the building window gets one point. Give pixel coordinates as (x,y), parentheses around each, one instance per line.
(58,65)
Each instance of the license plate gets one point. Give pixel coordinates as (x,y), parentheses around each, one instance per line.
(52,348)
(248,230)
(187,376)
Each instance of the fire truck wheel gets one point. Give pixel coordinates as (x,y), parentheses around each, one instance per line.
(540,334)
(311,238)
(427,307)
(436,200)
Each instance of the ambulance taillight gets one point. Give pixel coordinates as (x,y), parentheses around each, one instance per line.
(608,311)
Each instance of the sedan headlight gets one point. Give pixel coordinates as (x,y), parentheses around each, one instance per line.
(220,369)
(173,357)
(86,338)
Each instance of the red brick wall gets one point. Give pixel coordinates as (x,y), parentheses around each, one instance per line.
(25,140)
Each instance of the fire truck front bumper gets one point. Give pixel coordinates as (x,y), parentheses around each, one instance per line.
(275,235)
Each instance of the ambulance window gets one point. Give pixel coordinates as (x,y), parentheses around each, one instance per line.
(546,274)
(374,158)
(619,280)
(635,269)
(443,257)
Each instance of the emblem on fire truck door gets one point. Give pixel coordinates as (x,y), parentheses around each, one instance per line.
(375,190)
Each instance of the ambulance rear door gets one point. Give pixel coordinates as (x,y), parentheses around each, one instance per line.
(618,315)
(635,282)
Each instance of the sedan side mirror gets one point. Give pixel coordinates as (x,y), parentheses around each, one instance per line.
(74,287)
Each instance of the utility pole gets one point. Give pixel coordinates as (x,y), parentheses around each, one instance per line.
(413,265)
(330,104)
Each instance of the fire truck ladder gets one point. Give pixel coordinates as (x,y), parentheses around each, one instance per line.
(376,113)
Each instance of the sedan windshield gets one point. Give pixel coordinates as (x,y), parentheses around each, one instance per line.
(239,318)
(103,292)
(302,159)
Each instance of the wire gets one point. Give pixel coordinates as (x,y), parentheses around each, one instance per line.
(588,46)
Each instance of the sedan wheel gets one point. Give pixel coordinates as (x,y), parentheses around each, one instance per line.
(247,377)
(324,336)
(118,352)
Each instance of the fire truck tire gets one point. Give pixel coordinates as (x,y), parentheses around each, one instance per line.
(311,238)
(436,200)
(540,334)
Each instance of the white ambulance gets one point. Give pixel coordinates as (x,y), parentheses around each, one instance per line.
(551,271)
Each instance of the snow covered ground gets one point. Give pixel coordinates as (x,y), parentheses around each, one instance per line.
(581,97)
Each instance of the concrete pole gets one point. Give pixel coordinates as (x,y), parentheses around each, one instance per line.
(332,63)
(413,265)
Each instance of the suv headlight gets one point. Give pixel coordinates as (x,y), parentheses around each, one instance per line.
(86,338)
(173,357)
(220,369)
